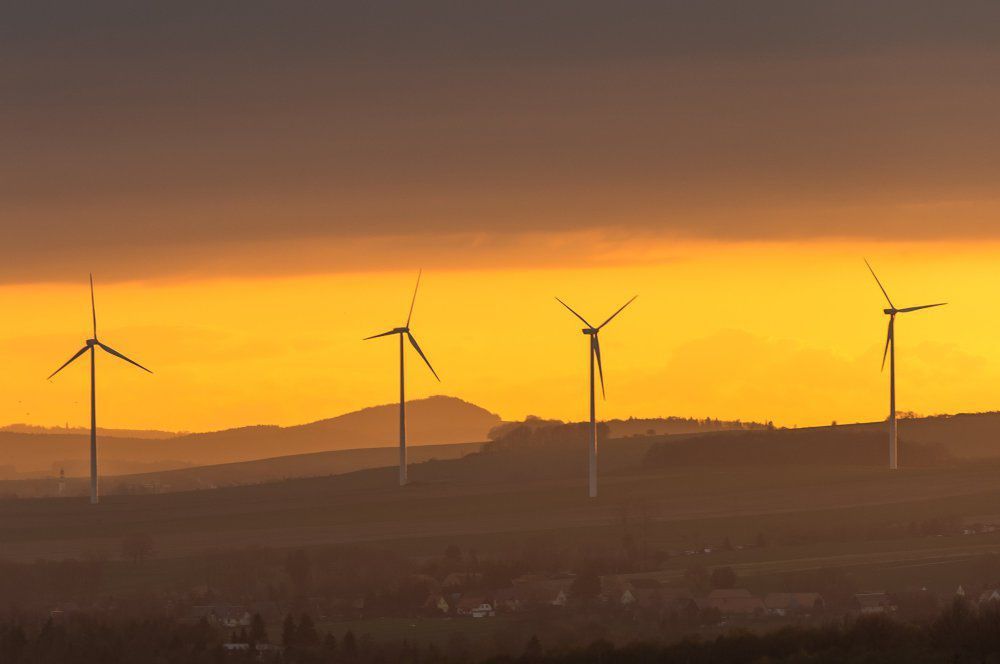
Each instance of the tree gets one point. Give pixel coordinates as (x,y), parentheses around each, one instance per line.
(137,547)
(258,630)
(306,633)
(288,632)
(532,651)
(350,645)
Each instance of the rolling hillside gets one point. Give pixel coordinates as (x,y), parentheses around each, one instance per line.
(315,464)
(436,420)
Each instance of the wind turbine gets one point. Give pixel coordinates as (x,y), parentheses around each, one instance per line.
(405,332)
(92,345)
(890,351)
(594,352)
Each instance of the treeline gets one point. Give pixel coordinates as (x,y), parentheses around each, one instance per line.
(828,446)
(962,633)
(658,426)
(529,437)
(635,426)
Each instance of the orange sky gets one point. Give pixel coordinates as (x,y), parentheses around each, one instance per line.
(255,186)
(790,332)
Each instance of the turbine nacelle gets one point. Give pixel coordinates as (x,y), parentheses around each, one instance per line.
(405,330)
(889,312)
(592,332)
(92,342)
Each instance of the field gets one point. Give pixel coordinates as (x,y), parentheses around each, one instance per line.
(862,519)
(244,472)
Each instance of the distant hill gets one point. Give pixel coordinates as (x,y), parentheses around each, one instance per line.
(435,420)
(965,435)
(146,434)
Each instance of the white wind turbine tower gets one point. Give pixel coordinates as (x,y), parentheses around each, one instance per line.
(594,353)
(405,332)
(890,351)
(92,345)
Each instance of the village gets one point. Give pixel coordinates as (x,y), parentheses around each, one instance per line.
(462,596)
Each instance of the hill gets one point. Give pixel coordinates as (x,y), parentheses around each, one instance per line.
(80,431)
(824,446)
(435,420)
(965,435)
(315,464)
(445,503)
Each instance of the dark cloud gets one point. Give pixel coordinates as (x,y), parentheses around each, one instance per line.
(182,131)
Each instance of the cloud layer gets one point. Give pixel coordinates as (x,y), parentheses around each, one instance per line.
(172,140)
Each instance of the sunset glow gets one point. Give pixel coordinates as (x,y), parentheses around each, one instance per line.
(789,332)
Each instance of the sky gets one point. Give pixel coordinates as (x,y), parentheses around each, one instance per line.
(255,186)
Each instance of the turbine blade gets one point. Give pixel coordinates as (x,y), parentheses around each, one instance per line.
(413,342)
(414,300)
(879,284)
(923,306)
(69,362)
(93,305)
(574,313)
(111,350)
(596,345)
(888,340)
(384,334)
(617,312)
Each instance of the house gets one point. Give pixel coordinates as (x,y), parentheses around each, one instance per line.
(878,602)
(436,603)
(617,591)
(783,604)
(736,601)
(988,596)
(534,592)
(664,600)
(223,614)
(475,606)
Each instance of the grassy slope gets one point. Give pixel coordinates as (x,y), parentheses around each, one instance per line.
(687,506)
